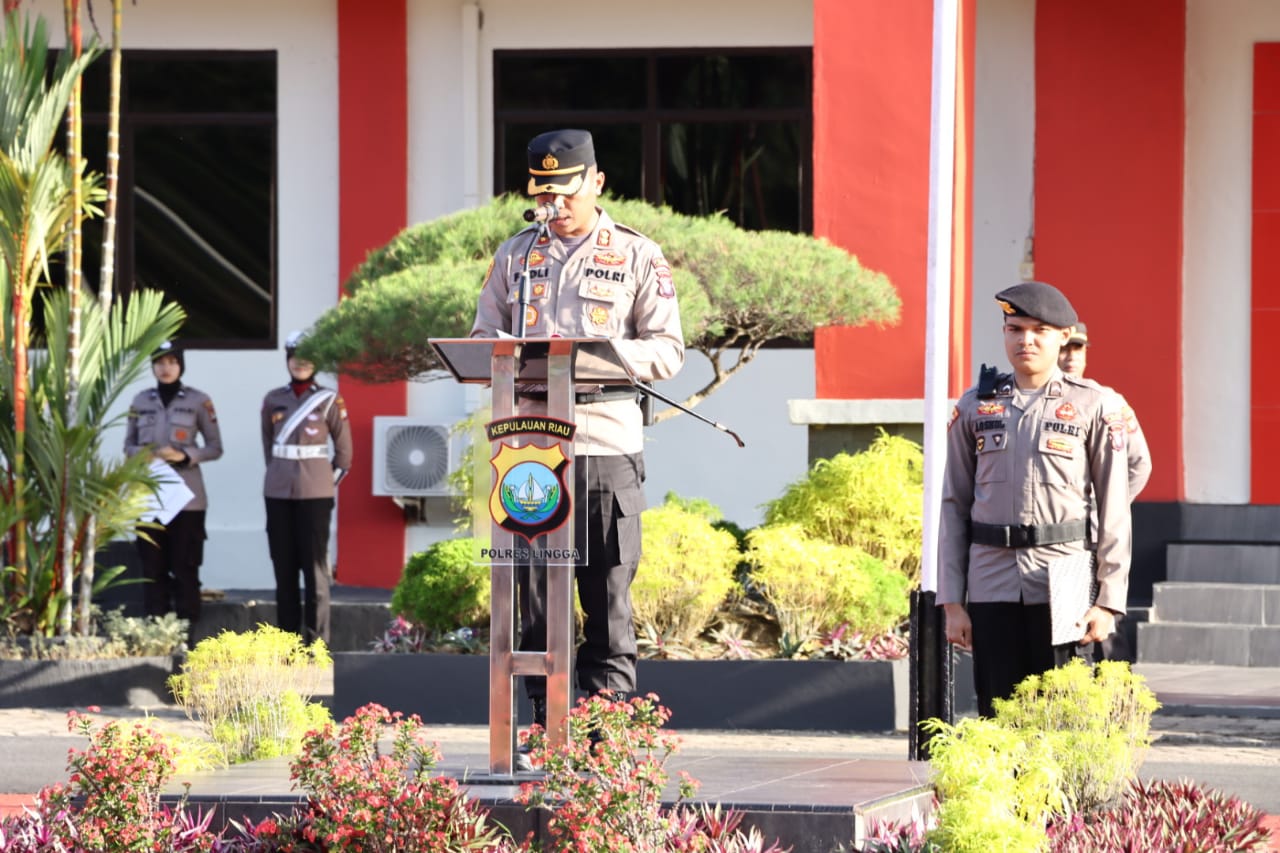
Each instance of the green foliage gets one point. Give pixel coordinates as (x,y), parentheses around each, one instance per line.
(873,500)
(737,288)
(685,573)
(444,587)
(1067,742)
(251,691)
(115,636)
(1097,721)
(814,586)
(67,478)
(54,487)
(998,786)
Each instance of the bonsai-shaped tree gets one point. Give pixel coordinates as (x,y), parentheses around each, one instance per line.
(738,290)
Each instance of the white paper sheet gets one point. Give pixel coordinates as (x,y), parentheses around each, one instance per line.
(170,498)
(1072,589)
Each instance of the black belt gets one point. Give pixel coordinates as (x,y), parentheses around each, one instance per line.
(604,395)
(1027,535)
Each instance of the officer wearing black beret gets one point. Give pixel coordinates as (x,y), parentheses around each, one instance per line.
(590,277)
(1025,452)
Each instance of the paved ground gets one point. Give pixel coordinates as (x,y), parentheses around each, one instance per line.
(1220,726)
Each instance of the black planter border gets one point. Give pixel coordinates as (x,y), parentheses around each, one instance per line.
(76,683)
(755,695)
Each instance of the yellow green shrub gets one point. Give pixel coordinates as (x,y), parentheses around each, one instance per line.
(872,500)
(815,586)
(1070,740)
(251,691)
(685,574)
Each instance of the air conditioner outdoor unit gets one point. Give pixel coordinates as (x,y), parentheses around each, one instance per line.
(412,458)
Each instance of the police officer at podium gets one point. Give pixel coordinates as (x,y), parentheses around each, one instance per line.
(1025,451)
(590,277)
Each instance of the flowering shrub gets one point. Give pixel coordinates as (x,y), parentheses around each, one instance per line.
(364,800)
(1163,815)
(603,790)
(111,802)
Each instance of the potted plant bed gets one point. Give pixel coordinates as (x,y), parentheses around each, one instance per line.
(799,695)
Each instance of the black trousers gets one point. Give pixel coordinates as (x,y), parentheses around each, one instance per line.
(171,566)
(298,538)
(609,498)
(1010,642)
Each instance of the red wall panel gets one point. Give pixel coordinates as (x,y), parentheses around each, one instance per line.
(1108,198)
(373,203)
(871,62)
(1264,415)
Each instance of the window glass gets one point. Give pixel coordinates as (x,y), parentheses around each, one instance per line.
(202,233)
(700,130)
(196,215)
(541,82)
(730,81)
(747,170)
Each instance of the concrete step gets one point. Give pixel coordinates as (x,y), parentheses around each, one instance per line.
(1224,562)
(1218,603)
(1204,643)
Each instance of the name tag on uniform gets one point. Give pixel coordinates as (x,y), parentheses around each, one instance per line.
(1057,444)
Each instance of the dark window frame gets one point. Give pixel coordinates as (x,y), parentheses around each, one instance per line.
(651,117)
(131,120)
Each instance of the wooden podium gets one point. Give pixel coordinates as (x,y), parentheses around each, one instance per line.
(530,510)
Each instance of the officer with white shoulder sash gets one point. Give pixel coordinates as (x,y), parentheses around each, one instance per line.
(299,423)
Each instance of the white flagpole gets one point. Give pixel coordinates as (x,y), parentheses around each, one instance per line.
(942,146)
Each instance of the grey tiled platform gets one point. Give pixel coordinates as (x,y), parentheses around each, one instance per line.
(816,804)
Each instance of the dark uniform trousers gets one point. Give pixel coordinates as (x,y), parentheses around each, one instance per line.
(609,497)
(172,566)
(1011,641)
(298,538)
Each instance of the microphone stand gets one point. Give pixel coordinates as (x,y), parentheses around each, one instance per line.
(649,391)
(521,320)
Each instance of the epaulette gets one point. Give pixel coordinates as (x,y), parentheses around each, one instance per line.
(630,230)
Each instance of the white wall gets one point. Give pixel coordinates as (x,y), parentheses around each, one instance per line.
(1003,163)
(303,33)
(1216,260)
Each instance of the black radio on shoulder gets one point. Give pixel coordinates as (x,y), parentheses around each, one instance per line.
(987,378)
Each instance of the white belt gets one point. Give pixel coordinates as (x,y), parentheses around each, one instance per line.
(300,451)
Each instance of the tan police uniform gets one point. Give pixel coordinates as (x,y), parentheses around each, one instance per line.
(298,461)
(299,488)
(1025,464)
(171,562)
(615,284)
(1021,469)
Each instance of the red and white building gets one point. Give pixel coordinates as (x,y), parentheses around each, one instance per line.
(1129,151)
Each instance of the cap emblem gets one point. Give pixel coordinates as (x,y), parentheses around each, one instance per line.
(550,162)
(1006,307)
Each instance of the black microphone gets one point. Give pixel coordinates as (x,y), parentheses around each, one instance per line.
(542,213)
